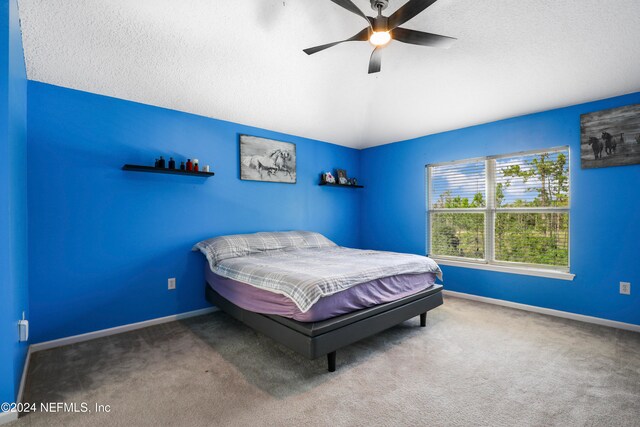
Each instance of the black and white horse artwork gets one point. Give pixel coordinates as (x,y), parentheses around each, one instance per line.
(264,159)
(602,137)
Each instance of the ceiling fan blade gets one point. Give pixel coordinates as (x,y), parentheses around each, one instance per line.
(375,62)
(348,4)
(408,11)
(423,39)
(361,36)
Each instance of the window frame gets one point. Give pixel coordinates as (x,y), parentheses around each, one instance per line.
(490,211)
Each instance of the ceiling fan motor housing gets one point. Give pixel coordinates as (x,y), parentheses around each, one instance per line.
(380,24)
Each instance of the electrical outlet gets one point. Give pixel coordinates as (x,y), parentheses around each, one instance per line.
(172,283)
(625,288)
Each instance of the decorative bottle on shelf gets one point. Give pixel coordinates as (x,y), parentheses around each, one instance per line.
(161,163)
(172,163)
(196,168)
(157,163)
(189,165)
(182,166)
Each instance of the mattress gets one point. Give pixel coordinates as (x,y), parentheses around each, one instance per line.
(307,274)
(358,297)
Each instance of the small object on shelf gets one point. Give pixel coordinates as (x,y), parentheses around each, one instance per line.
(182,166)
(161,163)
(157,163)
(189,165)
(172,163)
(342,176)
(196,167)
(354,181)
(328,178)
(206,168)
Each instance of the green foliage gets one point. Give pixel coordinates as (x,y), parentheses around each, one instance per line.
(532,238)
(499,194)
(448,202)
(552,181)
(458,234)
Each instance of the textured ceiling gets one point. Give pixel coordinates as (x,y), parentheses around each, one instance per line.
(242,61)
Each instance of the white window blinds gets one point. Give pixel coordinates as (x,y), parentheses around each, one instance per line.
(502,209)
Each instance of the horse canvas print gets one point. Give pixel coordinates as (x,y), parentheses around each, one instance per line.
(610,137)
(264,159)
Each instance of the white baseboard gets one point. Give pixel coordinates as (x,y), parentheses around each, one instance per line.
(547,311)
(117,330)
(7,417)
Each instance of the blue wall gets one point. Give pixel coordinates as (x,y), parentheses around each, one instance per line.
(13,200)
(103,241)
(605,231)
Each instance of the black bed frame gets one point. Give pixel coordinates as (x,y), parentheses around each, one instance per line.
(315,339)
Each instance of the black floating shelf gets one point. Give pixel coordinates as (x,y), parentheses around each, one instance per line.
(341,185)
(151,169)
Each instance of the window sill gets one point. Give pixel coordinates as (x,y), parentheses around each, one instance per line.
(550,274)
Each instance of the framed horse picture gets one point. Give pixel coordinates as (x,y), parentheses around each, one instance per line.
(610,137)
(264,159)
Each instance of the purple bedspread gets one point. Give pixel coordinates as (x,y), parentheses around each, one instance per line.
(361,296)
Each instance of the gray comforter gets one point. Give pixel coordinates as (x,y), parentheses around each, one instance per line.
(309,273)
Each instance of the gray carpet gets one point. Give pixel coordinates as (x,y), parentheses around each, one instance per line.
(474,364)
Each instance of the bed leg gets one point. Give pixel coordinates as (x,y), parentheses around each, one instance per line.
(423,319)
(331,360)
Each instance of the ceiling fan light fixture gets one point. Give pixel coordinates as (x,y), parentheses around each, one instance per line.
(380,38)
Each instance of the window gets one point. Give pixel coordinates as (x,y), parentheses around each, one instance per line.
(503,211)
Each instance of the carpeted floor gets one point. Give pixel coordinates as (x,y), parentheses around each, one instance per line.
(474,364)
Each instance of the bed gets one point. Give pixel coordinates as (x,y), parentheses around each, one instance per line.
(313,296)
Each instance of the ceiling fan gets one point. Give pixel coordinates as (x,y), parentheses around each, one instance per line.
(381,30)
